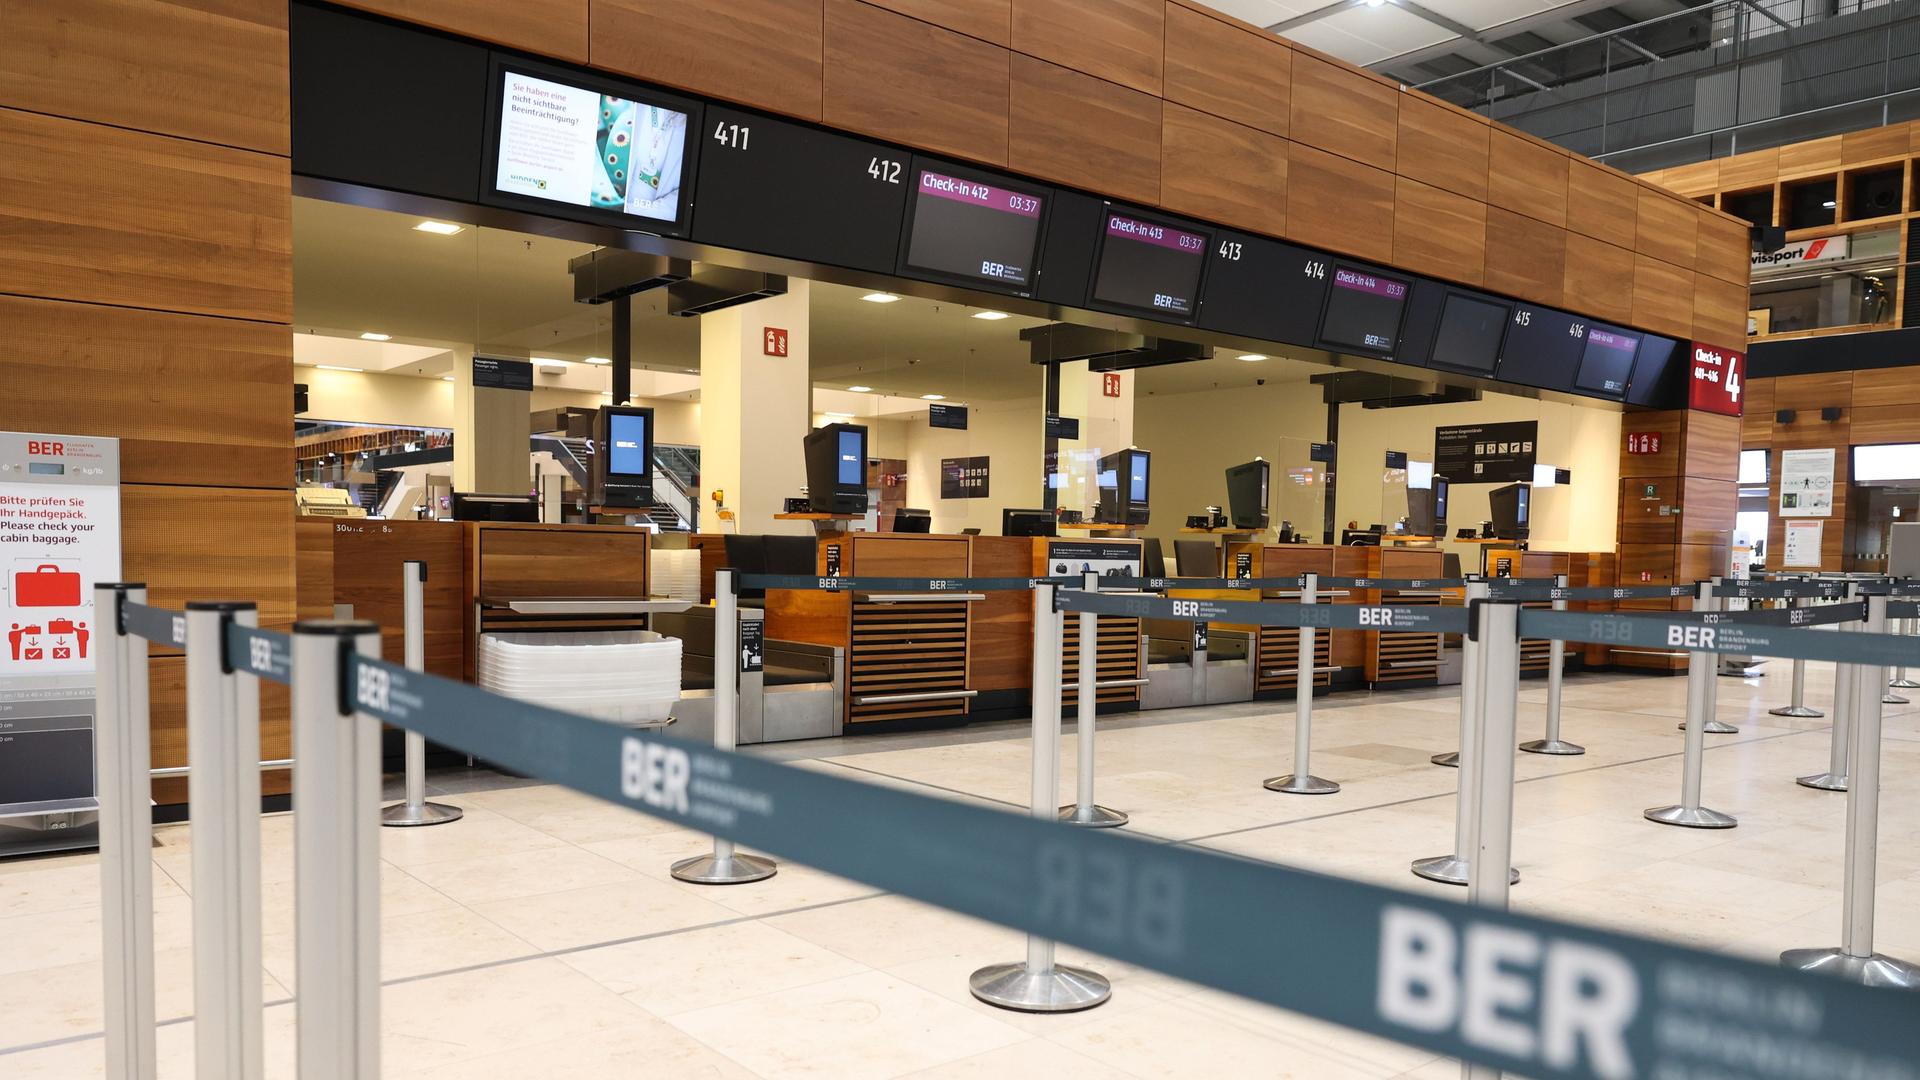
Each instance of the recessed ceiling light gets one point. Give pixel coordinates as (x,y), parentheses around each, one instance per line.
(839,415)
(1828,204)
(879,298)
(439,228)
(990,315)
(1375,3)
(860,389)
(446,378)
(933,397)
(1252,356)
(598,360)
(372,335)
(337,367)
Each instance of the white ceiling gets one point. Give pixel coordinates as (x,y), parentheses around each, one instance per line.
(1359,34)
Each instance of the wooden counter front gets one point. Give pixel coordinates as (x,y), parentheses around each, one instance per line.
(516,560)
(368,571)
(1403,658)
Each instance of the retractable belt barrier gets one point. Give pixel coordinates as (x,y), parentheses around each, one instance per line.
(1694,632)
(1422,619)
(1528,591)
(824,583)
(158,625)
(1779,590)
(1903,609)
(265,654)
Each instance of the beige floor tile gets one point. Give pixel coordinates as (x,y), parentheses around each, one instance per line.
(890,930)
(482,878)
(602,913)
(477,834)
(1178,1038)
(1036,1058)
(437,1022)
(650,1048)
(678,973)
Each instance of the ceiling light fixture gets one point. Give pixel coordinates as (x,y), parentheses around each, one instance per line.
(1252,356)
(337,367)
(879,298)
(1828,204)
(990,316)
(599,360)
(439,228)
(1375,3)
(839,415)
(373,335)
(933,397)
(446,378)
(860,389)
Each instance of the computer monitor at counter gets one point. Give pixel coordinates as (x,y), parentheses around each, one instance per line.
(1026,523)
(476,507)
(836,457)
(1247,493)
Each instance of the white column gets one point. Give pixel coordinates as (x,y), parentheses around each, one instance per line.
(755,408)
(490,431)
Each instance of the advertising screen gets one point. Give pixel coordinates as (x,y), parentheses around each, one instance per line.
(627,444)
(1149,266)
(1607,363)
(589,149)
(972,230)
(1363,311)
(1469,335)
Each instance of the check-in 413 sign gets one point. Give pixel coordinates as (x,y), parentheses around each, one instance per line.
(1718,381)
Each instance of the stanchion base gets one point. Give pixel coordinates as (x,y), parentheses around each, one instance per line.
(400,815)
(1715,727)
(1904,684)
(1450,759)
(1879,970)
(1064,989)
(736,869)
(1301,785)
(1891,698)
(1697,818)
(1825,781)
(1452,870)
(1801,711)
(1558,747)
(1096,817)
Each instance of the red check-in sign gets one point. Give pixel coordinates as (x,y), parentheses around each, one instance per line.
(1717,381)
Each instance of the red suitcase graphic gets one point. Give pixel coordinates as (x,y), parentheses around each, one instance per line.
(46,586)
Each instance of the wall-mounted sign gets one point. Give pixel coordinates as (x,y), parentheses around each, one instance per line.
(1396,459)
(1819,250)
(947,416)
(1243,565)
(833,560)
(1486,453)
(773,341)
(753,645)
(1321,452)
(1803,543)
(1080,556)
(494,373)
(1717,380)
(1643,442)
(1110,384)
(1062,427)
(1806,483)
(963,478)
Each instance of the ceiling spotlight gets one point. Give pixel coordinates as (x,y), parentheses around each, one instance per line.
(1252,356)
(375,336)
(839,415)
(879,298)
(990,316)
(1375,3)
(439,228)
(1828,204)
(446,378)
(933,397)
(860,389)
(337,367)
(598,360)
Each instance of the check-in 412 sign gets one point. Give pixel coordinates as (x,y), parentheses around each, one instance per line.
(1717,380)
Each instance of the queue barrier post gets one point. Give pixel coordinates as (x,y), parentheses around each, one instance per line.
(1705,600)
(414,809)
(1455,868)
(1903,627)
(1301,780)
(1039,984)
(1700,698)
(1552,743)
(1450,759)
(1084,811)
(336,844)
(123,752)
(1855,959)
(1847,691)
(1498,627)
(723,865)
(1797,705)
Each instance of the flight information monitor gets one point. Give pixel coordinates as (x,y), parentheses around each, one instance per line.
(1149,266)
(1542,347)
(1607,363)
(1468,338)
(971,229)
(1262,288)
(1363,311)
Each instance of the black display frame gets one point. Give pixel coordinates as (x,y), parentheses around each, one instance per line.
(1334,266)
(1440,321)
(903,268)
(500,64)
(1113,307)
(1639,342)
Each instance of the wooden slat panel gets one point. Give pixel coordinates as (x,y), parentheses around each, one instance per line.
(1874,144)
(1451,240)
(1751,170)
(202,543)
(1813,155)
(1666,227)
(1711,446)
(195,400)
(554,27)
(1442,146)
(1599,278)
(1000,629)
(1884,386)
(1722,248)
(1222,69)
(1600,202)
(313,568)
(1079,130)
(876,555)
(759,52)
(1756,418)
(369,560)
(1719,312)
(905,80)
(1344,112)
(213,70)
(1526,257)
(1808,394)
(1707,508)
(1698,178)
(119,217)
(1121,41)
(1277,658)
(1884,424)
(1528,177)
(1338,204)
(988,20)
(1245,183)
(557,560)
(1662,297)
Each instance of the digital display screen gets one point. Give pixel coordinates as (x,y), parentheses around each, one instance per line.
(1440,499)
(588,149)
(1363,311)
(46,468)
(1657,379)
(1263,289)
(1542,347)
(947,416)
(1137,477)
(627,445)
(1468,338)
(1149,266)
(1520,505)
(1607,363)
(853,459)
(978,232)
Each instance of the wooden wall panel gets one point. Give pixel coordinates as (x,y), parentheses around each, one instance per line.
(1662,297)
(1814,155)
(1710,447)
(1083,131)
(1809,394)
(1642,520)
(1722,248)
(1527,177)
(1000,628)
(313,567)
(1601,203)
(911,82)
(213,70)
(200,543)
(1883,424)
(1338,204)
(553,27)
(1719,312)
(1874,144)
(1442,146)
(1756,418)
(119,217)
(1344,112)
(765,53)
(1222,69)
(1885,386)
(370,560)
(195,400)
(1121,41)
(1669,424)
(167,685)
(1245,183)
(1526,257)
(988,20)
(1666,228)
(1697,178)
(1451,238)
(1750,170)
(1599,279)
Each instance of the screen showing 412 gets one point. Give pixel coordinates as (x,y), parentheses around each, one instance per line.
(584,148)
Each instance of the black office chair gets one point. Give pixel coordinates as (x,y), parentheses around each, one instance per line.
(747,554)
(791,555)
(1153,563)
(1197,558)
(1450,565)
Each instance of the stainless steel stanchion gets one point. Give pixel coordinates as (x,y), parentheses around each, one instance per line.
(724,865)
(1704,600)
(1903,627)
(1084,811)
(1301,780)
(1556,665)
(1798,705)
(1499,630)
(1454,869)
(1848,694)
(1038,984)
(336,846)
(1476,590)
(415,809)
(1855,959)
(223,743)
(1700,696)
(122,749)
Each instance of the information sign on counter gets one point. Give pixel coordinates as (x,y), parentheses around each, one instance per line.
(1486,453)
(1806,483)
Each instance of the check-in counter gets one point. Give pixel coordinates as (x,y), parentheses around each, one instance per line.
(514,563)
(1120,652)
(798,692)
(1582,569)
(1403,659)
(1339,655)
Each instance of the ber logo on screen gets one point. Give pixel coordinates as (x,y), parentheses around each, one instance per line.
(1717,380)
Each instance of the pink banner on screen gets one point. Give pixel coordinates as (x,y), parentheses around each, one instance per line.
(974,193)
(1368,283)
(1148,232)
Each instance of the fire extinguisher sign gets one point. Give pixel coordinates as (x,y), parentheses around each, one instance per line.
(59,535)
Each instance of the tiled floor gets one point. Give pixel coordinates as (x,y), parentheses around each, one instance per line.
(542,937)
